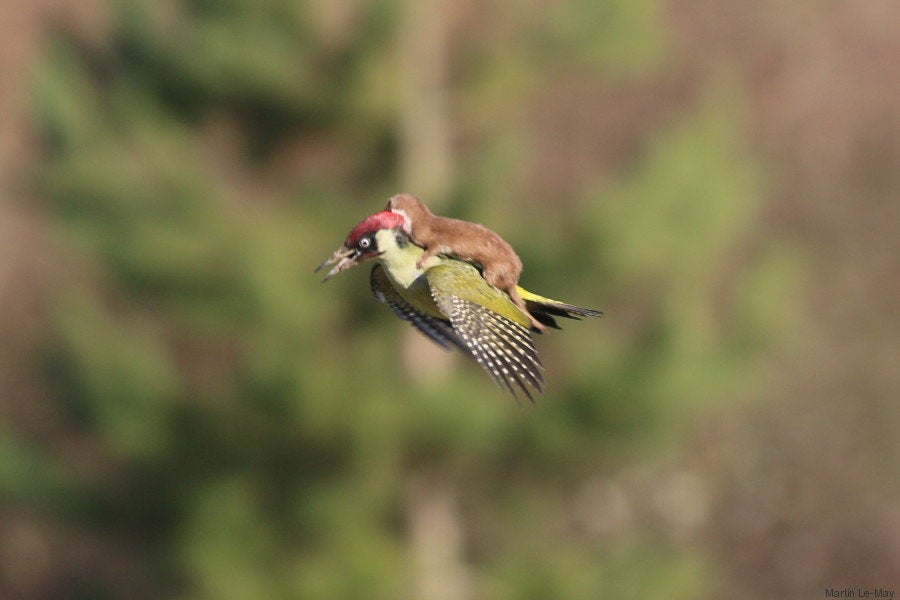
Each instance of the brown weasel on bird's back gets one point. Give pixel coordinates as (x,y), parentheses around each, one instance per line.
(501,266)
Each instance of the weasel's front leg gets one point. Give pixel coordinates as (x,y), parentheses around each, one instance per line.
(430,252)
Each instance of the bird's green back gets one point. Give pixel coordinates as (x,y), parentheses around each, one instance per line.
(441,275)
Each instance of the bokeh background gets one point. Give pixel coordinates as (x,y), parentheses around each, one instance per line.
(187,413)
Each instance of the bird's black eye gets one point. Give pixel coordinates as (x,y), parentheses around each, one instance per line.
(365,243)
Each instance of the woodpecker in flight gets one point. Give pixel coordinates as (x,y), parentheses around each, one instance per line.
(500,265)
(449,301)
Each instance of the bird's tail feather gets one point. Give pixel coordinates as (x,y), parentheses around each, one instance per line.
(544,309)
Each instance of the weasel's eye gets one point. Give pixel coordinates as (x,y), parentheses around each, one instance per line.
(365,243)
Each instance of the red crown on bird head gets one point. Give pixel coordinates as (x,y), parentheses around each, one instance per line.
(380,220)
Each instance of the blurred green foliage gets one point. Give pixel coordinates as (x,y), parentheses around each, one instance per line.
(264,423)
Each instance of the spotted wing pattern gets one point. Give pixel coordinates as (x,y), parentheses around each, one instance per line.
(435,329)
(504,349)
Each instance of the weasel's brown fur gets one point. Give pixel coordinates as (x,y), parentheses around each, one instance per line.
(501,266)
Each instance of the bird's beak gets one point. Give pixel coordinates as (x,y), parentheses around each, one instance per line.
(343,258)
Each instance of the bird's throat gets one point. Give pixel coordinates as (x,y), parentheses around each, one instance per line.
(400,262)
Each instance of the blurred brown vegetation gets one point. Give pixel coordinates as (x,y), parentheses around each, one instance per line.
(779,486)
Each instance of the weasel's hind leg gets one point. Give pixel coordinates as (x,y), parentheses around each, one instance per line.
(517,300)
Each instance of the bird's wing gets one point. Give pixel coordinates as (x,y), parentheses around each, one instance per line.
(468,283)
(435,329)
(502,347)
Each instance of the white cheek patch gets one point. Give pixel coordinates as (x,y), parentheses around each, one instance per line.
(407,222)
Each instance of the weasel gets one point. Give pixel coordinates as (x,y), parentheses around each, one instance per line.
(501,266)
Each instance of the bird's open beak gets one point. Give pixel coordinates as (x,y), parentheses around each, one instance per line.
(343,258)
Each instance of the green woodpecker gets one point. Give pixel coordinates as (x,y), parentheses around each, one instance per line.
(449,301)
(473,242)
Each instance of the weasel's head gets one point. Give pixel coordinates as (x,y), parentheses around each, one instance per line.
(409,207)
